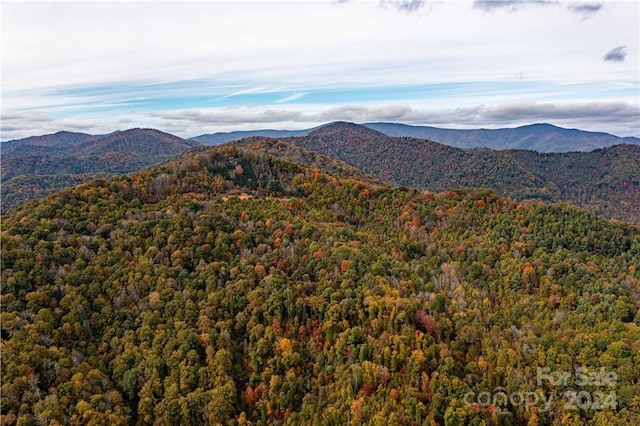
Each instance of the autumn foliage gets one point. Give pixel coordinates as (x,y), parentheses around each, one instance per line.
(123,304)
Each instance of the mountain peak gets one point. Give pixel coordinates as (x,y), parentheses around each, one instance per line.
(67,132)
(539,126)
(146,131)
(343,128)
(137,140)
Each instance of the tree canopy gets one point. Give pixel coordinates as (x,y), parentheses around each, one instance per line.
(233,287)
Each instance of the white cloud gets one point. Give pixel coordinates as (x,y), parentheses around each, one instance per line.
(616,117)
(23,123)
(230,116)
(102,62)
(245,92)
(619,118)
(291,98)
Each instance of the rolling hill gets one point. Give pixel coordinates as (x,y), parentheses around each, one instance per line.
(220,138)
(56,143)
(58,139)
(233,287)
(537,137)
(147,143)
(606,181)
(39,166)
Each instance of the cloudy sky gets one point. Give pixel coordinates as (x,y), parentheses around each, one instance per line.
(190,68)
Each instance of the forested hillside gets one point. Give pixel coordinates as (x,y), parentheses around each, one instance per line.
(224,137)
(24,188)
(44,145)
(232,287)
(38,166)
(605,181)
(539,137)
(308,158)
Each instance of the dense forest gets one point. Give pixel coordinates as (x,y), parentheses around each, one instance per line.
(38,166)
(540,137)
(233,287)
(605,181)
(45,145)
(25,188)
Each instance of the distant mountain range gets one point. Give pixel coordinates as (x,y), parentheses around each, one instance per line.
(220,138)
(605,180)
(37,166)
(55,144)
(536,137)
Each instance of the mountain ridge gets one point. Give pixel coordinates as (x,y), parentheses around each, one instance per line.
(219,138)
(606,180)
(39,166)
(138,140)
(541,137)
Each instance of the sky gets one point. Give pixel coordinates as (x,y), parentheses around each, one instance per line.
(191,68)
